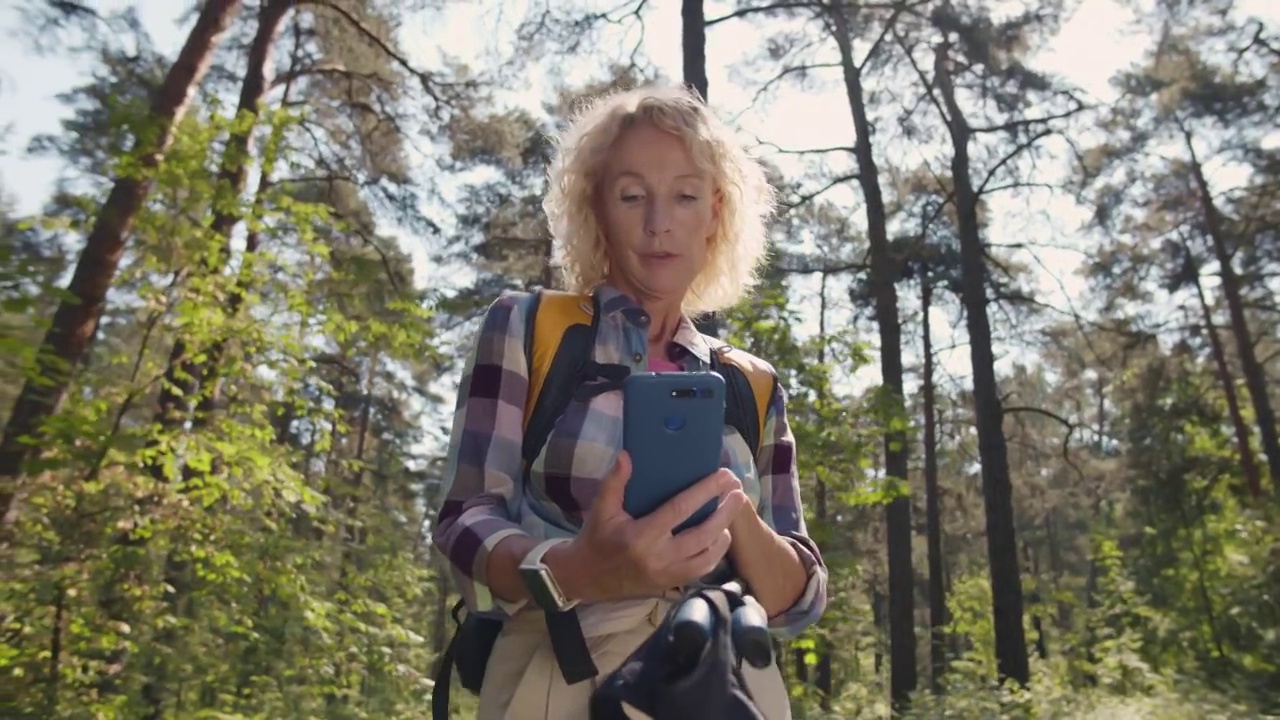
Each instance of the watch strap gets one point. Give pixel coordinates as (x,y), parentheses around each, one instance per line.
(534,558)
(540,580)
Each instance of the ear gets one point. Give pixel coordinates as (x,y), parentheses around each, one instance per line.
(717,210)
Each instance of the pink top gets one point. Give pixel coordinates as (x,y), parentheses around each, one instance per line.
(662,365)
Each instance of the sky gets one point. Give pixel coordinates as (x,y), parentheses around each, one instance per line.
(1091,47)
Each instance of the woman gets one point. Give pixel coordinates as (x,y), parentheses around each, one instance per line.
(658,212)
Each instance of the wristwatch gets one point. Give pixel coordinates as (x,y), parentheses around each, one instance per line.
(542,585)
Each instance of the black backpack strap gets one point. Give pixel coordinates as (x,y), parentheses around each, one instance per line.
(468,651)
(569,377)
(739,402)
(443,679)
(570,368)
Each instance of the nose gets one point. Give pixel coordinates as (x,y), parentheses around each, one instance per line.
(657,216)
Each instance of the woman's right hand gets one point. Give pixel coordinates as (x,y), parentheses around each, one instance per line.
(616,556)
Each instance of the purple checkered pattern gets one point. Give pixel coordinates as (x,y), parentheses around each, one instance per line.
(486,501)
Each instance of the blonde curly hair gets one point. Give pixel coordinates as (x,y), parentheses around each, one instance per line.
(747,199)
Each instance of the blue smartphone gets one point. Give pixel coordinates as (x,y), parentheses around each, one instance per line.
(673,429)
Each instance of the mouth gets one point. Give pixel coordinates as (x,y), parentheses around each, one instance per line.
(659,256)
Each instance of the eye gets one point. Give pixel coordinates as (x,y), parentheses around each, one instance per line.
(688,198)
(631,197)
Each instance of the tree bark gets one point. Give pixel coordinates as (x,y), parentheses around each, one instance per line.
(1254,377)
(997,490)
(884,274)
(822,671)
(933,514)
(76,320)
(1253,480)
(693,41)
(693,37)
(184,374)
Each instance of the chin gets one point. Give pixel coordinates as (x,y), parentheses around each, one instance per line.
(664,288)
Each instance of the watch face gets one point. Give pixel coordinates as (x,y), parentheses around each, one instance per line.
(543,588)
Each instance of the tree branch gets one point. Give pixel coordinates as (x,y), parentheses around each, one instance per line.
(430,85)
(805,151)
(1027,122)
(924,79)
(1066,439)
(890,26)
(744,12)
(810,196)
(327,69)
(853,266)
(790,70)
(1017,150)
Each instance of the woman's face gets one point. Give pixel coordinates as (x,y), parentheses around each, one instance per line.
(658,210)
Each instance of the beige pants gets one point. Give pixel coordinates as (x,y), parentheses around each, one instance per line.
(523,681)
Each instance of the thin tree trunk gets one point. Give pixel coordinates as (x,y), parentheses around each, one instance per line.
(183,373)
(1254,377)
(933,514)
(1253,480)
(210,373)
(884,274)
(822,672)
(76,320)
(997,490)
(877,622)
(693,42)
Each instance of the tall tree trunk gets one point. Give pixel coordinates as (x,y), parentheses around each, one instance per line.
(1253,480)
(183,374)
(76,320)
(209,374)
(693,42)
(884,274)
(693,36)
(933,514)
(822,672)
(1254,377)
(997,490)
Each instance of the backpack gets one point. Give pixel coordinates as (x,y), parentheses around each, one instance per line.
(560,334)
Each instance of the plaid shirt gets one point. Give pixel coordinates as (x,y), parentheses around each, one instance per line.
(485,500)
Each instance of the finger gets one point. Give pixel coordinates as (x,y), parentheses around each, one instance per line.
(702,563)
(692,541)
(608,500)
(681,507)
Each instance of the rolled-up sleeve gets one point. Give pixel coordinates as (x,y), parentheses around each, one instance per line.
(482,477)
(783,510)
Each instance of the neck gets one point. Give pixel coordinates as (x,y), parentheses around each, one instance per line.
(664,313)
(663,321)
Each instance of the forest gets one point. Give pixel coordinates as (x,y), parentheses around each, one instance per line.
(1029,331)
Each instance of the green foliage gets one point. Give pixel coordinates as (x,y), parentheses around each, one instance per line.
(280,570)
(263,555)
